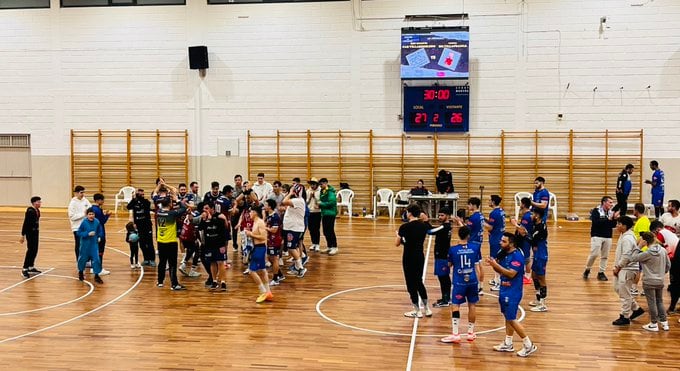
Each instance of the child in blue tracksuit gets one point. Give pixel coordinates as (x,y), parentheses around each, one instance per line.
(89,233)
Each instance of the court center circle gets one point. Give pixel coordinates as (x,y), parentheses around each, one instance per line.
(88,293)
(378,332)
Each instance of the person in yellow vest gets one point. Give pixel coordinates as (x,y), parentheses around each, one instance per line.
(166,236)
(641,225)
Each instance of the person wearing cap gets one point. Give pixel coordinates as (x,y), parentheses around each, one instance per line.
(329,209)
(623,187)
(294,226)
(314,226)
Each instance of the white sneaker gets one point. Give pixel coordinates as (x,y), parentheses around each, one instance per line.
(333,251)
(285,253)
(104,272)
(496,288)
(138,265)
(281,261)
(246,272)
(428,311)
(183,269)
(503,347)
(525,352)
(413,314)
(651,327)
(194,274)
(133,266)
(634,291)
(539,308)
(90,271)
(480,291)
(665,326)
(274,283)
(453,338)
(493,282)
(324,250)
(268,264)
(533,303)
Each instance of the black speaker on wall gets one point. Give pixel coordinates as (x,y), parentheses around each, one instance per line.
(198,57)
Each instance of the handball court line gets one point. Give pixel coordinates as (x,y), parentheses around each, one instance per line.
(25,280)
(38,331)
(409,363)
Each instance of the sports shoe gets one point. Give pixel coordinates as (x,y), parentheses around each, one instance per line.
(208,282)
(133,266)
(214,286)
(90,271)
(194,274)
(274,283)
(324,250)
(621,321)
(88,264)
(292,272)
(261,298)
(333,251)
(539,308)
(527,281)
(104,272)
(602,277)
(183,269)
(281,277)
(223,286)
(503,347)
(496,288)
(634,291)
(480,291)
(525,352)
(33,270)
(301,272)
(586,273)
(413,314)
(305,260)
(637,313)
(471,336)
(533,303)
(98,279)
(664,325)
(493,282)
(246,272)
(159,285)
(152,264)
(269,297)
(24,272)
(441,303)
(146,262)
(315,247)
(285,253)
(651,327)
(428,311)
(453,338)
(178,287)
(81,276)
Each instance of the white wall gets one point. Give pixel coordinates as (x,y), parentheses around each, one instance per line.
(313,65)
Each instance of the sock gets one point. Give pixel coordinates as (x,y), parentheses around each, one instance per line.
(455,321)
(480,285)
(425,305)
(298,264)
(527,275)
(497,277)
(262,289)
(544,292)
(471,328)
(416,307)
(508,339)
(527,342)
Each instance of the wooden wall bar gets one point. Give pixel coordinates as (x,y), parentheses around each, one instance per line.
(579,167)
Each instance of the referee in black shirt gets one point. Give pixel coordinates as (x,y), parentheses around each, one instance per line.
(29,232)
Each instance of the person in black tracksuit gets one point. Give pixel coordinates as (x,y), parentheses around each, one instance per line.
(141,213)
(442,244)
(623,188)
(30,232)
(445,186)
(412,235)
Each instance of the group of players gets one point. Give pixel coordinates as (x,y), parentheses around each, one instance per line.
(267,221)
(510,258)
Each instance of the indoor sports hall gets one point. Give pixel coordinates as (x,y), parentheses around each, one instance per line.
(174,125)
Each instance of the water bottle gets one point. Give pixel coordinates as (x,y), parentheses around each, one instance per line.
(363,212)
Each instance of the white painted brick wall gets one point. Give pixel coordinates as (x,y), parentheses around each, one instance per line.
(305,66)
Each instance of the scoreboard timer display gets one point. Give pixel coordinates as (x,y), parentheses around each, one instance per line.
(436,108)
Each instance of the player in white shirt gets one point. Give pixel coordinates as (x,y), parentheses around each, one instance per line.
(77,211)
(262,188)
(671,218)
(294,226)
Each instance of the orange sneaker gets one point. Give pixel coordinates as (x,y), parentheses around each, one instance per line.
(269,296)
(527,281)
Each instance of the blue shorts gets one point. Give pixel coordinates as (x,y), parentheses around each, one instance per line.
(509,307)
(494,249)
(462,293)
(538,266)
(657,199)
(526,251)
(292,239)
(257,258)
(441,267)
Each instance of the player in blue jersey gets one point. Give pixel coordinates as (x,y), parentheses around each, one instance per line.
(658,188)
(539,246)
(495,225)
(523,231)
(476,224)
(510,265)
(541,197)
(462,260)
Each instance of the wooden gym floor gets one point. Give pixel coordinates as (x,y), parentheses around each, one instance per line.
(346,314)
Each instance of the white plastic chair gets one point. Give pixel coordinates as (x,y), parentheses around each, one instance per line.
(402,195)
(124,196)
(384,198)
(346,196)
(518,201)
(552,206)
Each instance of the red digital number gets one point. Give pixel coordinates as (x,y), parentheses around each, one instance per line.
(435,118)
(443,94)
(421,118)
(429,94)
(456,118)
